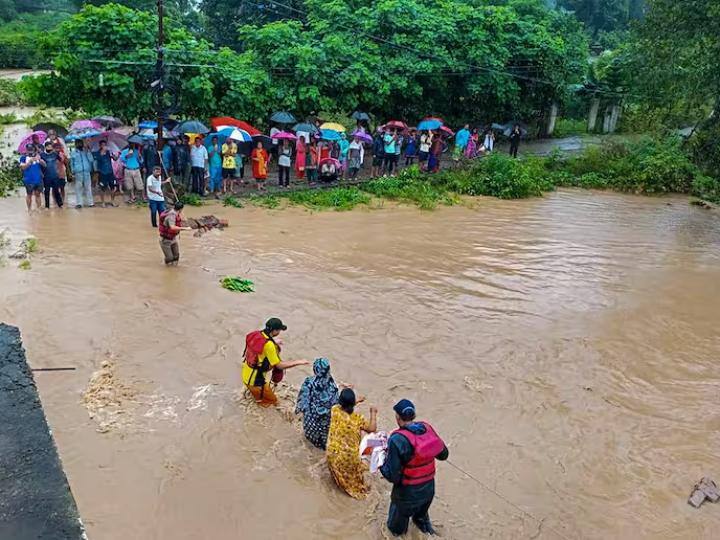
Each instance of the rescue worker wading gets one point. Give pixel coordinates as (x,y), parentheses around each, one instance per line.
(262,363)
(410,466)
(169,228)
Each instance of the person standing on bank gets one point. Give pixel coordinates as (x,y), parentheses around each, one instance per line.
(31,166)
(103,160)
(82,164)
(199,164)
(284,163)
(262,364)
(169,228)
(410,466)
(515,140)
(132,159)
(51,179)
(156,199)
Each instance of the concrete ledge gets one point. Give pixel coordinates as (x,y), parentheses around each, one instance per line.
(35,498)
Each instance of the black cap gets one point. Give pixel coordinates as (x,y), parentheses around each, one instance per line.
(275,324)
(405,409)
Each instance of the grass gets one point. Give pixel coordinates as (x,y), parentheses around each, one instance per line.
(24,265)
(265,201)
(9,118)
(232,201)
(340,198)
(31,244)
(237,284)
(192,199)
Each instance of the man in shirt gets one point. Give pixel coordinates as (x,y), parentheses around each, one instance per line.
(169,229)
(390,141)
(426,140)
(378,151)
(257,378)
(132,160)
(199,163)
(104,159)
(82,164)
(155,196)
(51,178)
(31,165)
(229,151)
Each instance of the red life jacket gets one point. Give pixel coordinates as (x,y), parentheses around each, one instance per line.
(421,467)
(165,231)
(254,345)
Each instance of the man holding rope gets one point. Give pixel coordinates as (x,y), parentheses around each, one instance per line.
(410,466)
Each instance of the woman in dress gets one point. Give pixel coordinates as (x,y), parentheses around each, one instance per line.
(315,400)
(343,444)
(300,157)
(215,161)
(311,162)
(343,147)
(284,163)
(260,159)
(356,153)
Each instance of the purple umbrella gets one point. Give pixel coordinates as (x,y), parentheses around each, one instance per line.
(85,124)
(364,137)
(284,136)
(22,147)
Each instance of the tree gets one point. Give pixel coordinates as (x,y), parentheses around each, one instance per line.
(604,15)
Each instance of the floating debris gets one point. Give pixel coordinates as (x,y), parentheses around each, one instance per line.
(237,284)
(704,490)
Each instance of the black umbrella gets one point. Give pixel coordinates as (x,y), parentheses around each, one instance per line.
(264,139)
(508,127)
(359,115)
(282,117)
(306,127)
(46,126)
(192,126)
(108,121)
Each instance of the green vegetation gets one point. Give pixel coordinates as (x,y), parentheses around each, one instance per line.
(191,199)
(232,201)
(25,264)
(567,127)
(338,198)
(10,176)
(31,244)
(237,284)
(10,93)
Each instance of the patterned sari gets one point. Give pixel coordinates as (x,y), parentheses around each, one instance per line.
(259,158)
(343,451)
(316,397)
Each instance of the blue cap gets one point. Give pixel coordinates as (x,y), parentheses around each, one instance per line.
(405,409)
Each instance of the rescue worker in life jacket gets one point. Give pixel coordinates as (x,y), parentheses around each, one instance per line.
(261,357)
(170,227)
(410,466)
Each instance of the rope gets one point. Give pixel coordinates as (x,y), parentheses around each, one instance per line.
(507,501)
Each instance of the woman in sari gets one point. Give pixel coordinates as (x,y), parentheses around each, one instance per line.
(300,158)
(343,444)
(435,152)
(260,159)
(311,162)
(471,148)
(315,400)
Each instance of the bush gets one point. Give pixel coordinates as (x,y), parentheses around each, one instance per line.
(565,127)
(337,198)
(191,199)
(410,185)
(10,176)
(707,188)
(10,94)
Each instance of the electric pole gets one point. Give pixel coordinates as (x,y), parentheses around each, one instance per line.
(159,83)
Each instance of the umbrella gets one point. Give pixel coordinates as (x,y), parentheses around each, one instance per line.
(284,136)
(429,124)
(229,132)
(47,126)
(508,127)
(282,117)
(22,147)
(334,126)
(148,133)
(446,130)
(305,128)
(108,121)
(135,139)
(497,127)
(230,121)
(364,137)
(329,135)
(115,141)
(264,139)
(82,134)
(192,126)
(396,124)
(147,124)
(358,115)
(85,124)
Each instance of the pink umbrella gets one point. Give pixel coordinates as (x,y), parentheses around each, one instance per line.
(86,124)
(284,136)
(28,139)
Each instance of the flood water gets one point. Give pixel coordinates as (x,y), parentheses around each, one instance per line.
(565,347)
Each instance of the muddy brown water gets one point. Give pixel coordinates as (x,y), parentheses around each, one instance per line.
(565,347)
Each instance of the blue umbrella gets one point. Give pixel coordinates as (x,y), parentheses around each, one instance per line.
(282,117)
(85,134)
(429,125)
(329,135)
(147,124)
(236,134)
(192,126)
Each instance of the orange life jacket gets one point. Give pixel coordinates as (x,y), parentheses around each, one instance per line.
(165,231)
(426,447)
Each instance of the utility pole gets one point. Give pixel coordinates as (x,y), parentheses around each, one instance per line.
(159,83)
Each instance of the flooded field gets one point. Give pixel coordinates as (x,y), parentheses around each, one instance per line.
(566,348)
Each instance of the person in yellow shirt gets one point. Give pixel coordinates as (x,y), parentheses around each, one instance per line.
(229,151)
(258,366)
